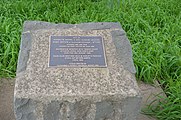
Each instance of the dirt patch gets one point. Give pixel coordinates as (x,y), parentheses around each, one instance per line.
(6,99)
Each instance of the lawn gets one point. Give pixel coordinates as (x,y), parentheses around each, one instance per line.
(152,26)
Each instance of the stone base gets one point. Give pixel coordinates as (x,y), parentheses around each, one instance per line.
(28,109)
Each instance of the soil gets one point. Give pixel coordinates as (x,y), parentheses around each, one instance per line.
(6,99)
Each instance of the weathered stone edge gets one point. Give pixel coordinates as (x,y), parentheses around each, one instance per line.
(25,48)
(124,50)
(26,109)
(36,25)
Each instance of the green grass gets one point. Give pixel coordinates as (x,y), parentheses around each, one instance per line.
(152,26)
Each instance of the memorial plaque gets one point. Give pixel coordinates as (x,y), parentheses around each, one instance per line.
(77,51)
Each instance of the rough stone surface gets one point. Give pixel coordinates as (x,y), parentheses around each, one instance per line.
(51,111)
(25,109)
(45,93)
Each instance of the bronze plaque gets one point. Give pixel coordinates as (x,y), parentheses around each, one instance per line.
(77,51)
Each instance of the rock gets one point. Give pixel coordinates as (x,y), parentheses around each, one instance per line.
(75,93)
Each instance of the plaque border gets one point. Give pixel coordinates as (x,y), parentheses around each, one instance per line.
(81,66)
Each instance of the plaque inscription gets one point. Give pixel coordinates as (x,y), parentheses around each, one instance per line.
(77,51)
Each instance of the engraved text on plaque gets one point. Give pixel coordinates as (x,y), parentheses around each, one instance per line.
(77,51)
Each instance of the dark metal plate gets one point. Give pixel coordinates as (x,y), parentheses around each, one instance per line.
(77,51)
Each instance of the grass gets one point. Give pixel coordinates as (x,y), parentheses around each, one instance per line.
(153,28)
